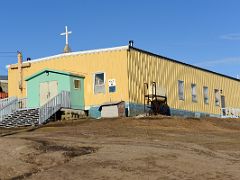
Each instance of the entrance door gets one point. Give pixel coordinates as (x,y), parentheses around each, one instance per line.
(223,105)
(47,91)
(53,89)
(43,93)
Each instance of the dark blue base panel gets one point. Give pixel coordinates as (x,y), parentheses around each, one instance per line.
(136,109)
(184,113)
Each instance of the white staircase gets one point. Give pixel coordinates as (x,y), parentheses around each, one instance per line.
(62,100)
(13,112)
(21,118)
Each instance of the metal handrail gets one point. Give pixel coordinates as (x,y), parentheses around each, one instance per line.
(22,103)
(230,112)
(62,100)
(9,108)
(5,101)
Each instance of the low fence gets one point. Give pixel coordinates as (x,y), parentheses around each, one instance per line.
(5,101)
(230,112)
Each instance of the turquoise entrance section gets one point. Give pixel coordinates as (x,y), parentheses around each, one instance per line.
(65,82)
(77,93)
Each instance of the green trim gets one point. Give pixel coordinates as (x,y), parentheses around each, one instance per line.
(53,71)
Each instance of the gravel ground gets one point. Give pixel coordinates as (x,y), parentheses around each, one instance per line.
(128,148)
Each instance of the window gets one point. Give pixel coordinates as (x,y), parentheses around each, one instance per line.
(76,84)
(205,95)
(181,90)
(99,83)
(217,97)
(194,92)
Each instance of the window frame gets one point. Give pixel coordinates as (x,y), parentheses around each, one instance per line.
(206,98)
(103,85)
(194,85)
(181,96)
(75,84)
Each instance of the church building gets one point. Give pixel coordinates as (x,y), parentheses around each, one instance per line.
(119,74)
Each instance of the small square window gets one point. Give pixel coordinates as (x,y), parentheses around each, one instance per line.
(76,83)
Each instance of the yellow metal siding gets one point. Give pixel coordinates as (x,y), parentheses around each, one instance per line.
(144,67)
(113,63)
(131,68)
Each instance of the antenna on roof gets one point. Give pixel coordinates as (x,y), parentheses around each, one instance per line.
(131,43)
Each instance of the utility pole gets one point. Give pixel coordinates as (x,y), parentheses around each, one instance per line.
(20,82)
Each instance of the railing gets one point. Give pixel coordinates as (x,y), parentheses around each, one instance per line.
(22,103)
(4,102)
(230,113)
(10,105)
(62,100)
(9,108)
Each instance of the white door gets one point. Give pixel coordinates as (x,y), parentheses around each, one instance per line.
(53,89)
(43,93)
(47,91)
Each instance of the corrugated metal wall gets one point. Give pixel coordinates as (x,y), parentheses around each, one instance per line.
(145,67)
(113,63)
(132,69)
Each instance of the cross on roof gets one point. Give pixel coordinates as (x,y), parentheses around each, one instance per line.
(66,33)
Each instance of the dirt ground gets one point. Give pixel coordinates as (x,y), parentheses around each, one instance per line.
(129,148)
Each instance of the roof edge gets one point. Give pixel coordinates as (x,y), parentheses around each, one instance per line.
(54,71)
(75,53)
(179,62)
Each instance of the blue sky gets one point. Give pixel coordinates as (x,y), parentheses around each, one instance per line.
(205,33)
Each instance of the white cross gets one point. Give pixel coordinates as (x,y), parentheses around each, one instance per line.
(66,33)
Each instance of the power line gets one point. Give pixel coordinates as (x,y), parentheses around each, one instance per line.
(7,56)
(8,52)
